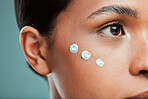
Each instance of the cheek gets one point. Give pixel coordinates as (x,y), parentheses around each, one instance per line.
(72,72)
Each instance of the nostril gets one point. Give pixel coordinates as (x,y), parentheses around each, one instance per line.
(144,73)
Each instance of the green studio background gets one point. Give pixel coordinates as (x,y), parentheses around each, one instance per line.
(17,80)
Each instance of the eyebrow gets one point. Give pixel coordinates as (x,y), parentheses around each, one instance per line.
(118,9)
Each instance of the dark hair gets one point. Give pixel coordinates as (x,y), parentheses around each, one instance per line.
(40,14)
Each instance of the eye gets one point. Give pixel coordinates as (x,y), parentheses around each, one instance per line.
(113,30)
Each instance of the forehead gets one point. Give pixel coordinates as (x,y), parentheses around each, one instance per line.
(85,7)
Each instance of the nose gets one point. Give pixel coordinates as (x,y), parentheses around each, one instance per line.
(139,63)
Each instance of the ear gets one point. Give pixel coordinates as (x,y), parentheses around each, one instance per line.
(33,46)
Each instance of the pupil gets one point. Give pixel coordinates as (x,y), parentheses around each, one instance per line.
(115,30)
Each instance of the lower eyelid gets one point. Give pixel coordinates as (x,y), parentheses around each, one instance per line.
(109,39)
(106,36)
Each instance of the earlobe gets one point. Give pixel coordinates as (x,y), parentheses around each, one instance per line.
(31,44)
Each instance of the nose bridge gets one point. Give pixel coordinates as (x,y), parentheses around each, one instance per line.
(144,43)
(140,53)
(143,39)
(142,31)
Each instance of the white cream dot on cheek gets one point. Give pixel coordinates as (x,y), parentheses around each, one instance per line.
(99,62)
(86,55)
(74,48)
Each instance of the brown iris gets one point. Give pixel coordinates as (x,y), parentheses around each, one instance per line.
(116,29)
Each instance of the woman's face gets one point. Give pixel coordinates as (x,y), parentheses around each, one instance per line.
(115,31)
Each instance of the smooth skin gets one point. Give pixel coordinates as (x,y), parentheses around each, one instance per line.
(124,73)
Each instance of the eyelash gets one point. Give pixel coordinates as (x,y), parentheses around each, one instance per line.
(107,25)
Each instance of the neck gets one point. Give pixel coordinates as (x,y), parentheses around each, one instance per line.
(53,90)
